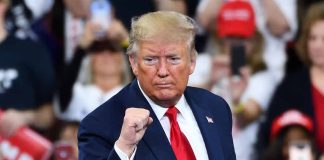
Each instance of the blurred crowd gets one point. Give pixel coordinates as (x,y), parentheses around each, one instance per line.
(60,59)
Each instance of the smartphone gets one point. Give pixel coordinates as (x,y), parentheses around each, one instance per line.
(64,151)
(300,150)
(101,15)
(238,58)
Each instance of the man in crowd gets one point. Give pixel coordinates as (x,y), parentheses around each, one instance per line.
(157,116)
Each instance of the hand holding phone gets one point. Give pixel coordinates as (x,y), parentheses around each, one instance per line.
(101,15)
(238,58)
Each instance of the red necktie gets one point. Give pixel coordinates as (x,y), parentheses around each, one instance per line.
(179,142)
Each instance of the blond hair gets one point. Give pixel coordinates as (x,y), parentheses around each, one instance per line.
(164,25)
(314,14)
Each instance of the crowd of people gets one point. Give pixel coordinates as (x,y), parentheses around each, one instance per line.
(60,60)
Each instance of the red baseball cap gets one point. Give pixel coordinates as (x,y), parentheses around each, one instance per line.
(236,18)
(289,118)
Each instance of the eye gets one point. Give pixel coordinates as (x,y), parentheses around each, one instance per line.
(312,38)
(174,60)
(150,60)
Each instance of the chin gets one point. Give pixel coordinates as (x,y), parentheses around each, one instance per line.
(167,97)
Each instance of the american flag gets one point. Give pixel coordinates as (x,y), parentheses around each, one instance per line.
(210,120)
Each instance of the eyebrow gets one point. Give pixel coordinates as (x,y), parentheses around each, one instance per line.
(151,50)
(172,55)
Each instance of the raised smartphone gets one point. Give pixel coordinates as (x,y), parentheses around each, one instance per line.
(238,58)
(300,150)
(101,15)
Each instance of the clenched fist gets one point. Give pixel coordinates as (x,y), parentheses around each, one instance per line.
(135,123)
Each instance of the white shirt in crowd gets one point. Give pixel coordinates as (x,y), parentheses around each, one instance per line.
(74,28)
(260,88)
(187,123)
(86,98)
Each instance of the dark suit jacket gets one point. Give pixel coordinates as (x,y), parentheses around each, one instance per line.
(101,128)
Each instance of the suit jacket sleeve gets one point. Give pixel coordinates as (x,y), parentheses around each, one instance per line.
(92,144)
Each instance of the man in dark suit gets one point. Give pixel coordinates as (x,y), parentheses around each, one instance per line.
(157,116)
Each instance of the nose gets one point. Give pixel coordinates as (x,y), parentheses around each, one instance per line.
(317,44)
(163,69)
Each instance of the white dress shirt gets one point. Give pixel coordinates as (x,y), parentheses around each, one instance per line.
(188,126)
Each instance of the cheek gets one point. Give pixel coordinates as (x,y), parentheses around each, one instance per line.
(310,46)
(315,54)
(97,60)
(147,71)
(119,60)
(249,48)
(93,62)
(180,71)
(285,151)
(3,9)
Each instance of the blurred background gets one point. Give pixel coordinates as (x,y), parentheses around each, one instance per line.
(61,59)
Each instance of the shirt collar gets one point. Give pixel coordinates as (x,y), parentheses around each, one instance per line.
(159,110)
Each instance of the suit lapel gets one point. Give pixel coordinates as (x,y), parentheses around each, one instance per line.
(158,142)
(154,137)
(208,129)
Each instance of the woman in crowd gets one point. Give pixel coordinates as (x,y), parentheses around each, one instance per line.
(97,72)
(276,20)
(103,72)
(303,90)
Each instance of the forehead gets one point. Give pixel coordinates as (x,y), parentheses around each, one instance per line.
(160,46)
(4,1)
(318,27)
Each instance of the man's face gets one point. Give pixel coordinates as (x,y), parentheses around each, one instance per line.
(163,69)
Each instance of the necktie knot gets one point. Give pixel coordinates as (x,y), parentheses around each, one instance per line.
(172,113)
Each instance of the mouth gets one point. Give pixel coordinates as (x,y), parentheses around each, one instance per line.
(163,85)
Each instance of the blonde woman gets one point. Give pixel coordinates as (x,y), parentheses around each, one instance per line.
(96,73)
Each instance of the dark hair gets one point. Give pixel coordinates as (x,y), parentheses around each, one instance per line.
(105,44)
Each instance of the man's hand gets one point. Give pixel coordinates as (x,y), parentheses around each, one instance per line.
(135,123)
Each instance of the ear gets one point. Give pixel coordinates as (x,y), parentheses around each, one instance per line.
(133,62)
(192,63)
